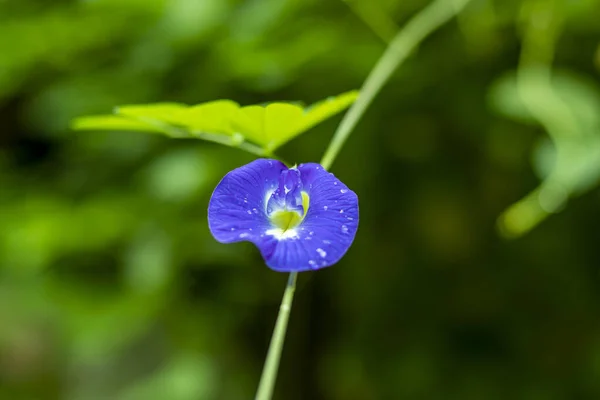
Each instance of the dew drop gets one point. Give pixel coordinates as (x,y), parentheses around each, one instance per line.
(343,191)
(312,263)
(335,183)
(325,208)
(341,211)
(249,212)
(255,210)
(350,219)
(327,241)
(322,252)
(232,229)
(344,229)
(311,233)
(244,235)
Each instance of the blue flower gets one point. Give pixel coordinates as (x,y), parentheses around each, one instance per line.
(300,218)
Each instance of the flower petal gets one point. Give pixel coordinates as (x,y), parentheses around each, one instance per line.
(328,228)
(236,211)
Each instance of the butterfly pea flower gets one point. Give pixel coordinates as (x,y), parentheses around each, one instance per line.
(300,218)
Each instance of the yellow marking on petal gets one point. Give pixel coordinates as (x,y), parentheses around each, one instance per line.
(305,203)
(286,220)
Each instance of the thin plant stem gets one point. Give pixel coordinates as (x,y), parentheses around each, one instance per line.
(421,25)
(405,41)
(269,374)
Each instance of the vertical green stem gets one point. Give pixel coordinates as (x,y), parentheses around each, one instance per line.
(405,41)
(269,374)
(401,46)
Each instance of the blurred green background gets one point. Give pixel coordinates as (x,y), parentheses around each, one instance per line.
(111,286)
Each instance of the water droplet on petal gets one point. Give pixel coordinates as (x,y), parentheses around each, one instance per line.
(335,183)
(232,229)
(343,191)
(255,210)
(341,211)
(325,208)
(327,241)
(322,252)
(344,229)
(350,219)
(244,235)
(311,233)
(249,212)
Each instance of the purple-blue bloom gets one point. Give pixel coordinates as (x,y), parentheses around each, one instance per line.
(301,218)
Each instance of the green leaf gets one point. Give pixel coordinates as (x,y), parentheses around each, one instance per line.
(277,123)
(222,121)
(212,117)
(163,112)
(111,122)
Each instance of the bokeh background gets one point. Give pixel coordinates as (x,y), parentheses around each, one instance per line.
(111,286)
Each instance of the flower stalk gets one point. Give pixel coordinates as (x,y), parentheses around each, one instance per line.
(269,374)
(401,46)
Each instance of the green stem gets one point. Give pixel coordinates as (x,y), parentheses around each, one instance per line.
(269,374)
(405,41)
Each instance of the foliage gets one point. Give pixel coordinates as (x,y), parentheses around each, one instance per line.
(269,126)
(111,286)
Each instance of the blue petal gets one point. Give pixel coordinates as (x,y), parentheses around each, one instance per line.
(327,230)
(236,211)
(288,194)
